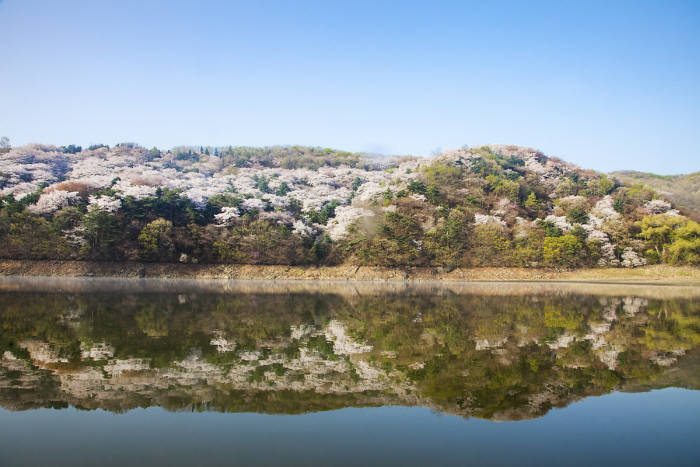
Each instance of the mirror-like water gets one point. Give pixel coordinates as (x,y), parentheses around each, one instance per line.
(397,374)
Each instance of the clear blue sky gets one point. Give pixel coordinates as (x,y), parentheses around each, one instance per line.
(606,85)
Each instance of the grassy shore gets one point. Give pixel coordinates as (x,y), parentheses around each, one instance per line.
(658,274)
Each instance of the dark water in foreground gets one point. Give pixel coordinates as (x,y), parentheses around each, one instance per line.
(182,373)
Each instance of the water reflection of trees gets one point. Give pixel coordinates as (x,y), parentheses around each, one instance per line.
(502,357)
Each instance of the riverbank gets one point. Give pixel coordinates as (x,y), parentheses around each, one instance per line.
(657,274)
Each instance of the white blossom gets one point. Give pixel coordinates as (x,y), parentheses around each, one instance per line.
(135,191)
(657,206)
(20,190)
(104,203)
(302,229)
(278,217)
(253,204)
(603,211)
(560,222)
(369,191)
(630,259)
(344,217)
(227,215)
(481,219)
(53,201)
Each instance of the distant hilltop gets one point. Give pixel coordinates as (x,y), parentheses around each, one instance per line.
(494,205)
(681,189)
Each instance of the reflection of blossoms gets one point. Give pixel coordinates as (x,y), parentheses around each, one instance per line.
(50,202)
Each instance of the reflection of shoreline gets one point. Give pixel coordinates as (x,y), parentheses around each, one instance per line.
(657,275)
(343,288)
(510,356)
(160,387)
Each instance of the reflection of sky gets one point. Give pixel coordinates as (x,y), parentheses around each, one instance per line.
(652,428)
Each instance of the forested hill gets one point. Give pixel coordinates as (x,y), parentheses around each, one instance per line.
(489,206)
(681,189)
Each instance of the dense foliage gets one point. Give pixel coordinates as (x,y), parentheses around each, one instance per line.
(684,190)
(490,206)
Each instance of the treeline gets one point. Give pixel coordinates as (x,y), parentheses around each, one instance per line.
(286,157)
(482,208)
(170,228)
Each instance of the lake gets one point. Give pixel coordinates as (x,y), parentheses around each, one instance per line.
(176,372)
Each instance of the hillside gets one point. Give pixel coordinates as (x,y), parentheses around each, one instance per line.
(489,206)
(684,190)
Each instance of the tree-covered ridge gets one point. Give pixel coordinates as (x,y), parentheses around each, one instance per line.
(681,189)
(489,206)
(500,357)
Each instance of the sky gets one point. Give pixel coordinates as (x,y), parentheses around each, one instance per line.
(606,85)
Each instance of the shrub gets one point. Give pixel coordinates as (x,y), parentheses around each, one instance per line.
(442,175)
(101,232)
(398,243)
(507,189)
(156,241)
(561,251)
(577,215)
(447,244)
(492,246)
(684,252)
(531,202)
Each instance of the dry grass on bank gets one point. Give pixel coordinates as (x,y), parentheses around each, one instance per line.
(659,274)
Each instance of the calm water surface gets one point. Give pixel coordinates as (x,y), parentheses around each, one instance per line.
(219,373)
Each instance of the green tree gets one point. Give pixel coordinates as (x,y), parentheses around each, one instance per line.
(658,231)
(491,246)
(577,215)
(504,188)
(4,144)
(156,241)
(531,202)
(562,251)
(686,247)
(447,243)
(601,186)
(432,194)
(102,231)
(398,243)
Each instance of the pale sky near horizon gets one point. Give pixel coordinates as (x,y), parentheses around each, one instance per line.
(606,85)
